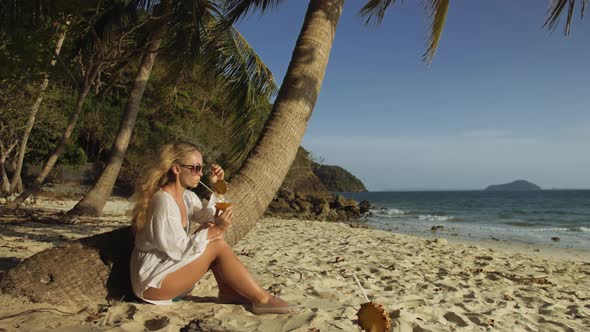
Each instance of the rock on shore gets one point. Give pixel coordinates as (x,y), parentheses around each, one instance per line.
(318,206)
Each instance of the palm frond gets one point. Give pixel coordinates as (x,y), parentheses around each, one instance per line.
(556,9)
(250,85)
(190,24)
(437,10)
(236,9)
(201,40)
(111,19)
(374,10)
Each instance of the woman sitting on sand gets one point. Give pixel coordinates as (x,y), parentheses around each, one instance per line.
(167,260)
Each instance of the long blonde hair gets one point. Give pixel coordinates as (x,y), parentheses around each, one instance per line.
(155,175)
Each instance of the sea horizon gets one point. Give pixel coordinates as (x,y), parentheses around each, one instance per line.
(559,218)
(462,189)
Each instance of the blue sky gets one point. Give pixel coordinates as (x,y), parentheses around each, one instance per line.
(504,99)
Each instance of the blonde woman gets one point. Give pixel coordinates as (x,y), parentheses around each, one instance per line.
(167,260)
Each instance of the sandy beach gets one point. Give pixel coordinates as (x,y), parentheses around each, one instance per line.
(425,284)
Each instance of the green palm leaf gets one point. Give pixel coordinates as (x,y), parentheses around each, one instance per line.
(204,43)
(250,85)
(556,9)
(189,25)
(437,10)
(236,9)
(375,10)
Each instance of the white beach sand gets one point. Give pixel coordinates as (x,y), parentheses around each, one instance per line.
(423,284)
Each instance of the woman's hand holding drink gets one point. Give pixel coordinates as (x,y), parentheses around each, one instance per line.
(223,208)
(224,218)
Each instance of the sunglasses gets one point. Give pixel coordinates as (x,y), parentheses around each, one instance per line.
(194,168)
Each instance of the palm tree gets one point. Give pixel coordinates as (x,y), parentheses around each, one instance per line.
(182,21)
(95,199)
(15,15)
(258,180)
(252,186)
(261,175)
(33,188)
(284,130)
(95,48)
(16,185)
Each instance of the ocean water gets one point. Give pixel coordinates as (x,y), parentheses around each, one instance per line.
(528,217)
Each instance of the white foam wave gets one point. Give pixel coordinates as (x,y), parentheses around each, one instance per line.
(566,229)
(389,212)
(430,217)
(554,229)
(395,212)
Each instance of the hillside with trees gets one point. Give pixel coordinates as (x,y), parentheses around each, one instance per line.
(336,178)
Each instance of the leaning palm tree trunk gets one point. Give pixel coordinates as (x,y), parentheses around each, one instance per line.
(95,199)
(51,161)
(75,269)
(16,183)
(256,183)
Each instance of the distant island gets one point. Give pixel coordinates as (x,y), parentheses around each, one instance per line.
(518,185)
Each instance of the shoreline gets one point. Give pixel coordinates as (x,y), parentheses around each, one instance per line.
(422,283)
(531,249)
(547,251)
(117,210)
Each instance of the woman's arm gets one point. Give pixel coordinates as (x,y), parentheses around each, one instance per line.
(217,227)
(223,220)
(215,232)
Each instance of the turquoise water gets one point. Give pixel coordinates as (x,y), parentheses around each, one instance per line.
(528,217)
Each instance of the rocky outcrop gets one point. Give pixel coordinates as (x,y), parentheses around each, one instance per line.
(318,206)
(305,195)
(337,179)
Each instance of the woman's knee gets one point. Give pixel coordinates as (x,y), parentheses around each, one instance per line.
(219,243)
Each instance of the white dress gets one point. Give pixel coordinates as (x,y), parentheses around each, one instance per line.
(163,246)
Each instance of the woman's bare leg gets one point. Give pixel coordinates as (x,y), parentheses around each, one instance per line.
(227,294)
(229,269)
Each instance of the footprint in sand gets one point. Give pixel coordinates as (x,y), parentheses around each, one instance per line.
(481,320)
(157,323)
(454,318)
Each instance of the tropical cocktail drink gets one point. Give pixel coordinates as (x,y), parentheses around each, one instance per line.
(222,205)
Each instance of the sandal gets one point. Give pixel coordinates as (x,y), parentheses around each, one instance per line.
(275,306)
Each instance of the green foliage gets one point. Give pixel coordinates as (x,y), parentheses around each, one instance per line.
(49,123)
(24,55)
(308,176)
(74,155)
(337,179)
(198,114)
(300,177)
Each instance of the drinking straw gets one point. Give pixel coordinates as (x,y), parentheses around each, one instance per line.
(361,287)
(207,187)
